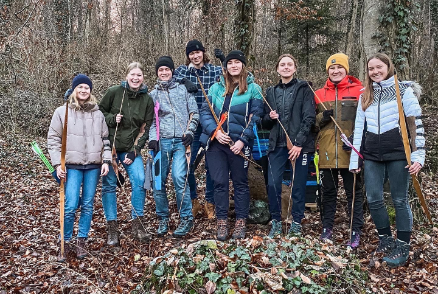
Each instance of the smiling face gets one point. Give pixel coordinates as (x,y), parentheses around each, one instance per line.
(196,57)
(234,67)
(82,92)
(377,70)
(164,73)
(135,78)
(286,68)
(336,73)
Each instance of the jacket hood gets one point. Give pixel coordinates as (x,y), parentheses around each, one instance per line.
(249,79)
(143,87)
(348,81)
(87,106)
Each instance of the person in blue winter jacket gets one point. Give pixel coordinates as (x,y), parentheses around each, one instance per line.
(240,97)
(178,119)
(377,119)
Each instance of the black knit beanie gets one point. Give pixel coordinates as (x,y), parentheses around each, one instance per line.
(164,61)
(194,45)
(235,54)
(81,79)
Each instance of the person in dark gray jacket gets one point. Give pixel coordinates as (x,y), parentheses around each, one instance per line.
(178,119)
(293,105)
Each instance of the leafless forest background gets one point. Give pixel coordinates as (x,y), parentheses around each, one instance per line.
(42,43)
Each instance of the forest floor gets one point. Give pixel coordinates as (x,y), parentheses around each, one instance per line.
(29,228)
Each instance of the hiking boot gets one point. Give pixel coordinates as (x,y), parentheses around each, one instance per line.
(163,226)
(295,229)
(386,244)
(222,229)
(239,229)
(185,225)
(276,229)
(113,234)
(209,210)
(139,231)
(326,235)
(196,207)
(399,255)
(63,257)
(355,240)
(81,252)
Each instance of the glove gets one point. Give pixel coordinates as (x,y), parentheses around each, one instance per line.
(130,155)
(345,147)
(153,145)
(67,94)
(326,115)
(190,86)
(187,140)
(219,54)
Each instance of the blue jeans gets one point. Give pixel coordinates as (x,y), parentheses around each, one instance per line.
(209,188)
(276,165)
(76,178)
(173,150)
(109,184)
(225,164)
(399,183)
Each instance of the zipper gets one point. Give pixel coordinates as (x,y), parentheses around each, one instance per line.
(336,128)
(283,136)
(378,119)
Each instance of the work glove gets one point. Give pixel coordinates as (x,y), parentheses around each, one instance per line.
(153,145)
(187,140)
(190,86)
(326,115)
(130,155)
(345,146)
(219,54)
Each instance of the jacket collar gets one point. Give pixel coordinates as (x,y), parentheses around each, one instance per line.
(385,83)
(165,85)
(291,83)
(348,81)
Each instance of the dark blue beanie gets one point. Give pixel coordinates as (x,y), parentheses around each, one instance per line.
(81,79)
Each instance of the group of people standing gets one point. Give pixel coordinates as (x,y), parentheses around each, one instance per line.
(219,108)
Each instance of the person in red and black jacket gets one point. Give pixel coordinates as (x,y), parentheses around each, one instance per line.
(340,96)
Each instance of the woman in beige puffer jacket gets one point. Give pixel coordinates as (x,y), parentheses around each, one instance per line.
(88,155)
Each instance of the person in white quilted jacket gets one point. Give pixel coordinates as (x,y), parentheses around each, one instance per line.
(377,134)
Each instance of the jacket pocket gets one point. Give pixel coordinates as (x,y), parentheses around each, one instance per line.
(348,109)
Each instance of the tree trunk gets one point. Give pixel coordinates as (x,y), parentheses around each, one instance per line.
(370,24)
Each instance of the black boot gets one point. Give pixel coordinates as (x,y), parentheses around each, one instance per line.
(139,230)
(113,234)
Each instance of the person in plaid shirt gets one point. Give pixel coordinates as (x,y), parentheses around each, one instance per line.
(198,65)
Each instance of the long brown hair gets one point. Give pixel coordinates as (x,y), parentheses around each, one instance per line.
(205,58)
(368,96)
(230,85)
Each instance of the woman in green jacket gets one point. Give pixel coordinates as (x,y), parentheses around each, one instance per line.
(127,109)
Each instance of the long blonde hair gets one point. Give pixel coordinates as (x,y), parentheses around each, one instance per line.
(368,95)
(73,100)
(230,85)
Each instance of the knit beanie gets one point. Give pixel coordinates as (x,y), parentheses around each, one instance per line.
(81,79)
(338,58)
(164,61)
(194,45)
(235,54)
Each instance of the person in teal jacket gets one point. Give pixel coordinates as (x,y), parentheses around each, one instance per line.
(240,98)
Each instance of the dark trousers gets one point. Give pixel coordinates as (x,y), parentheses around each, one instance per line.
(330,185)
(223,163)
(276,166)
